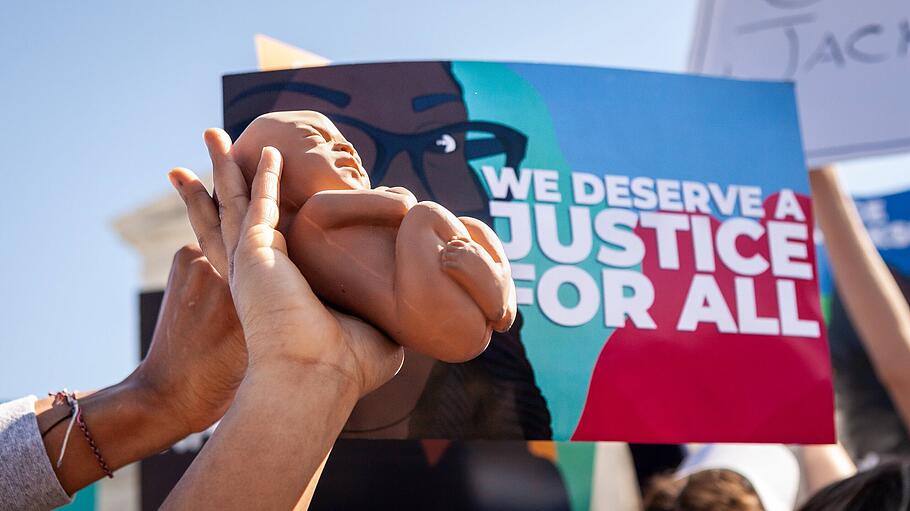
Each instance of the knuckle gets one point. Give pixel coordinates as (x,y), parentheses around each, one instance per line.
(270,215)
(269,184)
(200,272)
(199,193)
(234,198)
(186,254)
(234,201)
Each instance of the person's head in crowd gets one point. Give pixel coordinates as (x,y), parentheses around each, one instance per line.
(708,490)
(728,477)
(883,488)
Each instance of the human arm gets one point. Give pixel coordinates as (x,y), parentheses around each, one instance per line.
(195,362)
(308,364)
(822,465)
(875,304)
(127,424)
(340,208)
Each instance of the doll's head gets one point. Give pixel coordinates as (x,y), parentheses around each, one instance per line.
(316,155)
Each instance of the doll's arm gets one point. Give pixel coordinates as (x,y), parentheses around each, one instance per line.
(340,208)
(486,238)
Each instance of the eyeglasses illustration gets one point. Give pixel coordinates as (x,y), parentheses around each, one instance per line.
(443,148)
(436,149)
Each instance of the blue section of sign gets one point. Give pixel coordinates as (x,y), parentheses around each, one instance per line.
(887,220)
(612,121)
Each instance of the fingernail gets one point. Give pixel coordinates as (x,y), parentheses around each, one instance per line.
(275,153)
(175,179)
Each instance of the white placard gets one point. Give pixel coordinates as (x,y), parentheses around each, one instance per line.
(849,58)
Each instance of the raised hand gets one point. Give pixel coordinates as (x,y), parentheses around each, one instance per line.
(307,364)
(197,356)
(282,319)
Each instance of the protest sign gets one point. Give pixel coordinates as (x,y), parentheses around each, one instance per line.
(887,220)
(850,60)
(659,229)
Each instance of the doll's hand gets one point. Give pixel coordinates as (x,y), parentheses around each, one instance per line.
(283,321)
(197,356)
(396,189)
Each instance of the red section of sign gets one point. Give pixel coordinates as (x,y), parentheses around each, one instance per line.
(669,386)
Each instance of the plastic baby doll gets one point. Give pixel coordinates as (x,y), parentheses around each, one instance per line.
(433,282)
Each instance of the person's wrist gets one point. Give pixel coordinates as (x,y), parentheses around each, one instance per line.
(158,410)
(285,371)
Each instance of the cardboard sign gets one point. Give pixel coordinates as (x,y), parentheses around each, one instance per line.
(850,60)
(660,234)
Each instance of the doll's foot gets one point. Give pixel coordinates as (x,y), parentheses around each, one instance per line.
(469,264)
(462,256)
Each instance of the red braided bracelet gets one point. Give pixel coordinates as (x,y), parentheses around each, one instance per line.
(91,443)
(69,398)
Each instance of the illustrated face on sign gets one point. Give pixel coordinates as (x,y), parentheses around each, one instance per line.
(410,126)
(410,129)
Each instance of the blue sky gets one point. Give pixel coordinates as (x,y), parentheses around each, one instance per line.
(100,99)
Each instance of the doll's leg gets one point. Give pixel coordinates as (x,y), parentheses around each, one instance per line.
(471,266)
(438,316)
(462,259)
(484,236)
